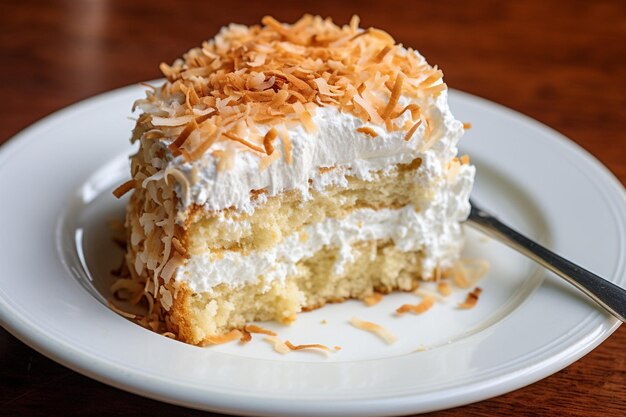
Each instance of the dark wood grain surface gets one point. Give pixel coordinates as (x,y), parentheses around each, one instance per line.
(560,62)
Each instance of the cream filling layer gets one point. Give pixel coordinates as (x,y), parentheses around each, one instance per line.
(335,143)
(435,231)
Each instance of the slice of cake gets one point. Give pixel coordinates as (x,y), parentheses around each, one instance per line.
(282,167)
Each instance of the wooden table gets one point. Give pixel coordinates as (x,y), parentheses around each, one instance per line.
(560,62)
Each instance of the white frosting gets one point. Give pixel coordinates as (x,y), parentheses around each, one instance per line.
(336,143)
(435,231)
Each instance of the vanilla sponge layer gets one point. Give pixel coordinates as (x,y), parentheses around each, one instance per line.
(406,228)
(375,265)
(275,218)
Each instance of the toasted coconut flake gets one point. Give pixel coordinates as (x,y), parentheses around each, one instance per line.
(150,86)
(124,289)
(467,125)
(274,24)
(269,160)
(444,288)
(305,117)
(413,108)
(297,82)
(378,330)
(354,23)
(395,96)
(153,134)
(322,87)
(166,298)
(373,299)
(459,278)
(422,307)
(200,150)
(244,142)
(180,178)
(291,346)
(171,121)
(121,312)
(471,299)
(358,35)
(284,137)
(124,188)
(266,73)
(465,159)
(245,336)
(434,76)
(433,91)
(170,267)
(368,131)
(412,130)
(382,35)
(267,140)
(182,137)
(381,54)
(225,338)
(371,112)
(280,98)
(178,246)
(278,345)
(258,60)
(252,328)
(168,71)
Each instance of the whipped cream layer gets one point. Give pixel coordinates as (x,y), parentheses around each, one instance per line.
(435,231)
(336,143)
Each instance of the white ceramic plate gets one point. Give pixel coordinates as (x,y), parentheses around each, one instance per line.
(55,182)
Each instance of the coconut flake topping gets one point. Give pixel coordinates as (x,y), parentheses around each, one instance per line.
(278,75)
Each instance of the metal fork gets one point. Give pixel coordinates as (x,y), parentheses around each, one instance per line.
(608,295)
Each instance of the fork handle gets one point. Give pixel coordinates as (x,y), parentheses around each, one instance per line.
(608,295)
